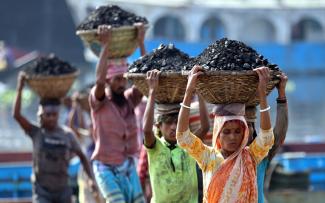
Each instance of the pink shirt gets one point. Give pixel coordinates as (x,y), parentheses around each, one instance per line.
(115,128)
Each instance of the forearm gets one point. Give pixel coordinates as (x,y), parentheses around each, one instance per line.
(148,119)
(101,68)
(204,119)
(142,49)
(101,72)
(87,167)
(23,122)
(17,103)
(184,113)
(280,128)
(265,116)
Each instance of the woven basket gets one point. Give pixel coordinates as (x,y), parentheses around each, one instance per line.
(223,87)
(123,42)
(51,86)
(171,88)
(274,80)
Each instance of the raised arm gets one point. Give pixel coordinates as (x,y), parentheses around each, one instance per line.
(140,37)
(264,141)
(184,113)
(264,77)
(23,122)
(104,32)
(281,123)
(204,119)
(192,144)
(148,118)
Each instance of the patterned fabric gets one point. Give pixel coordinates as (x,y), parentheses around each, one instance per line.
(172,174)
(116,67)
(114,128)
(224,171)
(118,184)
(165,109)
(142,167)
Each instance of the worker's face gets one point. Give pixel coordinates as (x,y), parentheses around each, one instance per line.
(117,84)
(168,128)
(231,136)
(49,120)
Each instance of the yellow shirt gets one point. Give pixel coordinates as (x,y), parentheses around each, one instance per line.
(209,158)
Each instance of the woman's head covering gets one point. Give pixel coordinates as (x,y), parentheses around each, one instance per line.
(228,112)
(116,67)
(235,179)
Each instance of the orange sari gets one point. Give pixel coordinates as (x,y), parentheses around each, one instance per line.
(235,179)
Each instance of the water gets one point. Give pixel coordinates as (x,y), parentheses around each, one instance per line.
(306,102)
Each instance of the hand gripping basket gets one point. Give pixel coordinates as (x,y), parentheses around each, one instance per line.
(274,80)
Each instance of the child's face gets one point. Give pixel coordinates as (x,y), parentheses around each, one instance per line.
(231,136)
(168,129)
(49,120)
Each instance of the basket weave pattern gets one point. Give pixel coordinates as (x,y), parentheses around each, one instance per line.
(223,87)
(171,88)
(51,86)
(122,44)
(270,86)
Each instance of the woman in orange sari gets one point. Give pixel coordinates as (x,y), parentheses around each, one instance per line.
(229,166)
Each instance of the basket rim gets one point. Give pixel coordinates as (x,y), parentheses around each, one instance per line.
(230,72)
(144,75)
(94,31)
(207,73)
(49,77)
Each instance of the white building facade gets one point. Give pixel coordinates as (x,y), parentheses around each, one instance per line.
(276,21)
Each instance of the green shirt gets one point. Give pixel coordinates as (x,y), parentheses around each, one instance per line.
(172,174)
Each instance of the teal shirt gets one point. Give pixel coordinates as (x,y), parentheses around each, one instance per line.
(172,174)
(261,169)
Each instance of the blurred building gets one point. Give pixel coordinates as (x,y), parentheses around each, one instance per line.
(290,33)
(42,25)
(280,21)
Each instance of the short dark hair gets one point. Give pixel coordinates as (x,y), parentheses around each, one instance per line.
(166,117)
(50,101)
